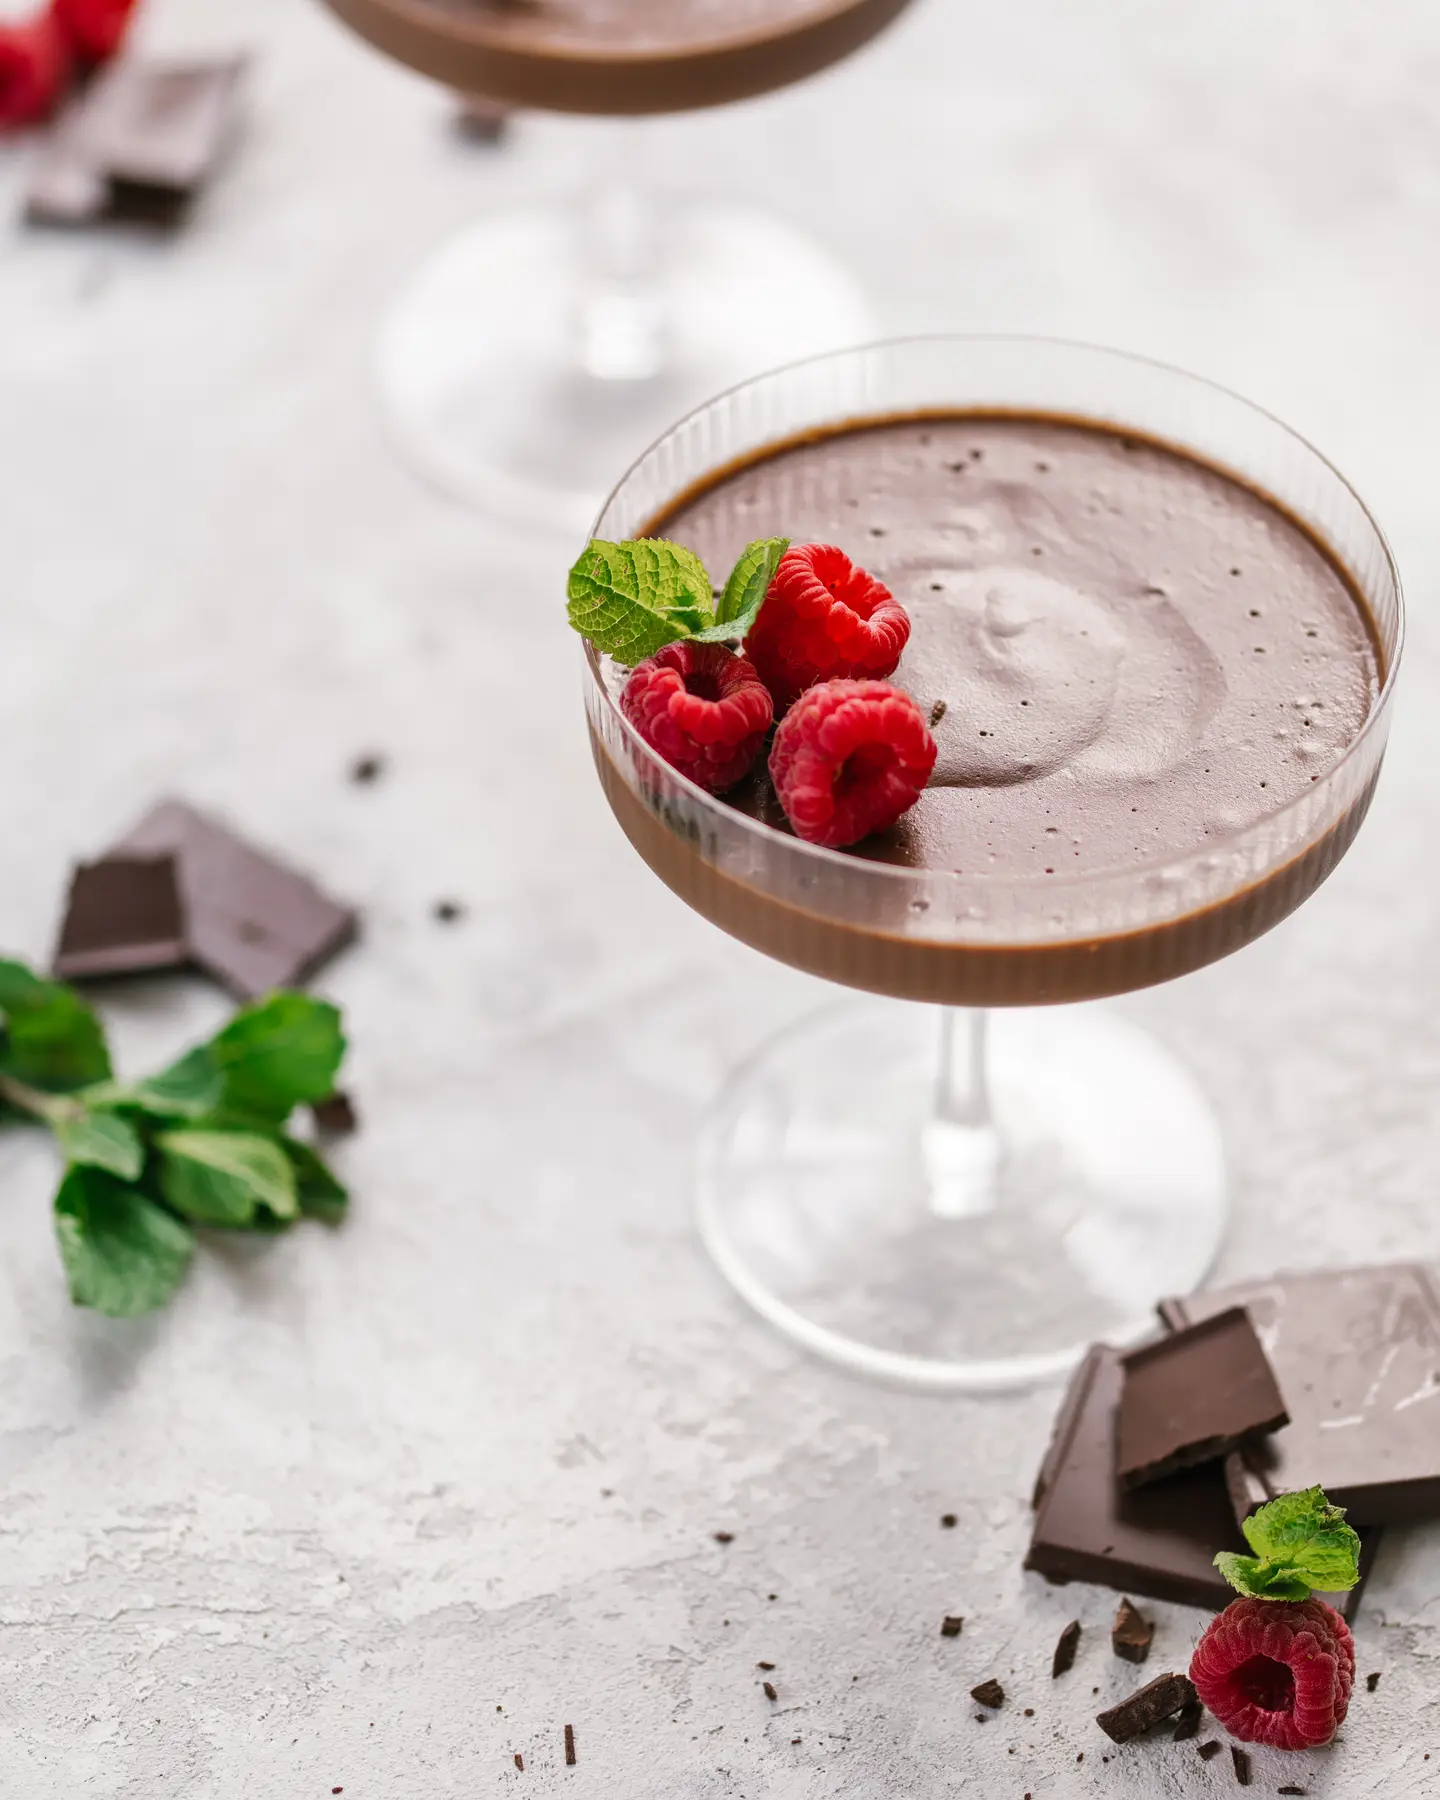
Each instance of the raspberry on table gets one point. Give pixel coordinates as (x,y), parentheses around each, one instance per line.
(848,759)
(1277,1672)
(703,708)
(824,618)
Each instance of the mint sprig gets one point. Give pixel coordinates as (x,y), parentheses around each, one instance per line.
(633,598)
(1302,1546)
(203,1143)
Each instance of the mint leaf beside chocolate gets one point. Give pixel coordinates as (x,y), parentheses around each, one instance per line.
(1302,1546)
(201,1143)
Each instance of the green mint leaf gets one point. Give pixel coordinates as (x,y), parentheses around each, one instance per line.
(101,1140)
(188,1089)
(632,599)
(276,1055)
(322,1195)
(1302,1545)
(49,1038)
(745,591)
(123,1254)
(1260,1580)
(222,1177)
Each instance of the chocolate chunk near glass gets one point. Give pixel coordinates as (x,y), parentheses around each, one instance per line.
(1357,1356)
(1194,1396)
(123,917)
(1132,1634)
(250,921)
(138,143)
(1160,1540)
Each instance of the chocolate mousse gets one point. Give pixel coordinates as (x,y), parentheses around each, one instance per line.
(618,56)
(1127,657)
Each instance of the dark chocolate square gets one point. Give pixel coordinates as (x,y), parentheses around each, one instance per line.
(123,917)
(251,922)
(1159,1540)
(1357,1356)
(1193,1397)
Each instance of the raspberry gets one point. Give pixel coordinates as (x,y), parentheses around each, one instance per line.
(34,70)
(848,759)
(703,708)
(1277,1672)
(95,28)
(824,618)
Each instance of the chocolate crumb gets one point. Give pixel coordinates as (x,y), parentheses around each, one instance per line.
(519,1762)
(937,713)
(982,1718)
(769,1687)
(989,1693)
(949,1521)
(1292,1790)
(723,1537)
(951,1626)
(1188,1723)
(367,769)
(1241,1760)
(569,1746)
(1213,1748)
(794,1741)
(1372,1682)
(1132,1633)
(336,1116)
(1080,1757)
(766,1666)
(1064,1658)
(1029,1712)
(448,912)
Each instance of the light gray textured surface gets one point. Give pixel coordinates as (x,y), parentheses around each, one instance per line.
(352,1496)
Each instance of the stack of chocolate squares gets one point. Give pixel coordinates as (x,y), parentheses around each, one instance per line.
(1328,1378)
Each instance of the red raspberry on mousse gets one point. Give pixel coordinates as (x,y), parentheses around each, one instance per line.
(1277,1674)
(824,618)
(848,759)
(703,708)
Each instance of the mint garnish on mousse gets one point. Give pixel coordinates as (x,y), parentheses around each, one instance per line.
(632,599)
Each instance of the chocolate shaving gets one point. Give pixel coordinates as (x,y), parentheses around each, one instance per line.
(766,1666)
(1212,1749)
(769,1687)
(723,1537)
(519,1762)
(1241,1760)
(1132,1634)
(569,1746)
(1292,1790)
(1064,1658)
(989,1693)
(951,1627)
(1160,1699)
(1372,1682)
(937,713)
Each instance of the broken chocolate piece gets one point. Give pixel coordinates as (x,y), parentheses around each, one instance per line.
(336,1116)
(1372,1682)
(1064,1658)
(252,923)
(1208,1751)
(989,1693)
(123,917)
(1357,1356)
(1158,1541)
(1188,1723)
(951,1627)
(1194,1396)
(137,143)
(1132,1634)
(1241,1760)
(1159,1699)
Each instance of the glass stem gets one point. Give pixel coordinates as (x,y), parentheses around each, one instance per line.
(961,1141)
(622,328)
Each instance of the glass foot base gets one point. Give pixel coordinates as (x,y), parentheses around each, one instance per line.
(480,365)
(944,1259)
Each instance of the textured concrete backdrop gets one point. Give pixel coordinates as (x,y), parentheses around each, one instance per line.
(379,1510)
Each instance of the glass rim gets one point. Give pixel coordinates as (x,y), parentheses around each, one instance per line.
(842,859)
